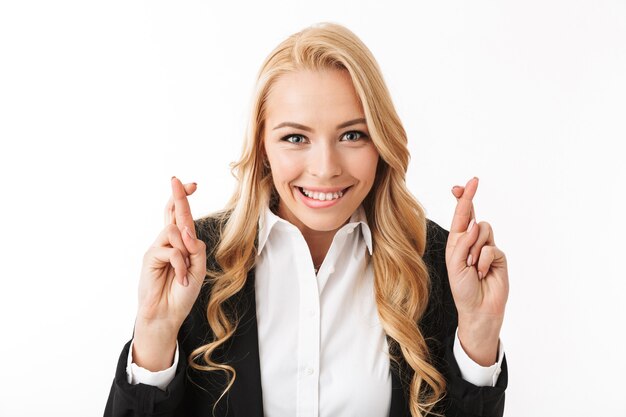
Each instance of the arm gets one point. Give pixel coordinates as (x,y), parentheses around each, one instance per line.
(126,400)
(137,374)
(129,400)
(463,399)
(481,376)
(130,397)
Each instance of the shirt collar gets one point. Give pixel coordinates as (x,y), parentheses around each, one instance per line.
(267,221)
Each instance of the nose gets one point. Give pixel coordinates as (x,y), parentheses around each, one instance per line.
(324,161)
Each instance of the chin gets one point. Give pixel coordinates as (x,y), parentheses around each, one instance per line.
(324,226)
(324,222)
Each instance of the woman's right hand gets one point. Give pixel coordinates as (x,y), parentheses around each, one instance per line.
(173,270)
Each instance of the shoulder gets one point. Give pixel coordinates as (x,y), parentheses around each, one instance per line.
(435,256)
(209,229)
(440,318)
(435,232)
(436,240)
(195,330)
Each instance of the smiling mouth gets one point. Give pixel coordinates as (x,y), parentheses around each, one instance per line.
(339,193)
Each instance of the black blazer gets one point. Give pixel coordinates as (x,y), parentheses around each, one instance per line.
(192,393)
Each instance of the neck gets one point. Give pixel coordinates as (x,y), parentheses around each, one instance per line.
(318,241)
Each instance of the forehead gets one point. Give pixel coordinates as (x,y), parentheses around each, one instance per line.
(308,96)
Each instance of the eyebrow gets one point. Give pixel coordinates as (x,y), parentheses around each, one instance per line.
(308,129)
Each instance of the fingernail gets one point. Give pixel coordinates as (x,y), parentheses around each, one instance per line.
(470,226)
(480,274)
(187,262)
(185,281)
(195,183)
(469,260)
(188,231)
(173,176)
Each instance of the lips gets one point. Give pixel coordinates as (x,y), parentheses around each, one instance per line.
(319,204)
(324,189)
(343,191)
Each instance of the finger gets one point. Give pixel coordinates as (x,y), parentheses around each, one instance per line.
(197,255)
(169,212)
(181,206)
(169,207)
(457,192)
(160,256)
(489,255)
(485,237)
(463,210)
(170,236)
(460,257)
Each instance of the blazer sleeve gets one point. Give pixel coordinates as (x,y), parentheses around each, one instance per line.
(463,399)
(126,400)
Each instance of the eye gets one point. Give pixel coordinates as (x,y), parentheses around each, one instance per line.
(288,137)
(352,136)
(355,135)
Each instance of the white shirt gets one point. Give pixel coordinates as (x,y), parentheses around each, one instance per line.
(320,336)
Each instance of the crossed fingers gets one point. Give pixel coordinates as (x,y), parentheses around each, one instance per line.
(483,250)
(178,215)
(170,208)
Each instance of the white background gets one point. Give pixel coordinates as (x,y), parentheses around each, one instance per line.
(102,102)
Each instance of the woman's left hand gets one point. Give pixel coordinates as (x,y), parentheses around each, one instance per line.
(479,279)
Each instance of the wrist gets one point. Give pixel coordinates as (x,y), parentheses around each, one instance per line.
(154,346)
(480,340)
(156,328)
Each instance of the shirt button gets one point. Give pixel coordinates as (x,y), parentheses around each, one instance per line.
(308,371)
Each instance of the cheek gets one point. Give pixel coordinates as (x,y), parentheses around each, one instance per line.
(284,170)
(365,165)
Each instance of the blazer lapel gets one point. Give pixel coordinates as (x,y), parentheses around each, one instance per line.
(399,405)
(245,399)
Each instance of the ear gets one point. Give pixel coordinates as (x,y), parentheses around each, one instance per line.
(263,155)
(264,158)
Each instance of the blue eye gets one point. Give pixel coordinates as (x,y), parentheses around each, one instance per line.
(362,135)
(359,135)
(286,138)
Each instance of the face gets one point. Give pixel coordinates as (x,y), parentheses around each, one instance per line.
(317,142)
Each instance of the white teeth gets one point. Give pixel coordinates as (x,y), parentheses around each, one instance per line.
(322,196)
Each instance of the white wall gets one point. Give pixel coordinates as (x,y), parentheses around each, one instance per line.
(102,102)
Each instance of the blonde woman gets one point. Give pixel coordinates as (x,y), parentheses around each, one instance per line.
(321,289)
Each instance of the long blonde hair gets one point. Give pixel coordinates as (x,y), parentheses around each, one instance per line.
(401,282)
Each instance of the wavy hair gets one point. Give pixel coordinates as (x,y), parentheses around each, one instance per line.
(401,281)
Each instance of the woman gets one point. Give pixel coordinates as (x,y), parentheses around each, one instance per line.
(275,306)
